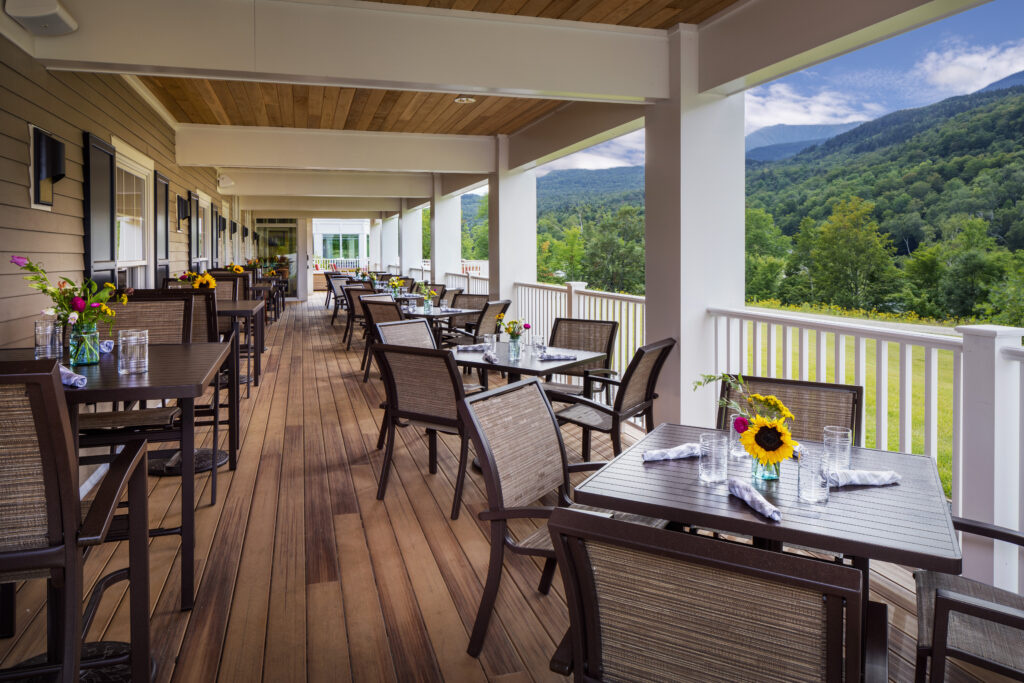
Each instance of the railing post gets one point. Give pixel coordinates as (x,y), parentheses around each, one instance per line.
(570,297)
(990,472)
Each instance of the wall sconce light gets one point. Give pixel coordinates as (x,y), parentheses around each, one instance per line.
(183,213)
(47,166)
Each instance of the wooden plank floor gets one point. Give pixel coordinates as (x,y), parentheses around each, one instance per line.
(303,575)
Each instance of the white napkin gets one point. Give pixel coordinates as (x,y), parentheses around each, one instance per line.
(686,450)
(862,477)
(69,378)
(106,346)
(749,495)
(490,357)
(472,347)
(557,356)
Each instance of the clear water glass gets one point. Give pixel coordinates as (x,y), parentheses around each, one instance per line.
(492,341)
(812,468)
(736,449)
(838,442)
(714,458)
(47,339)
(132,351)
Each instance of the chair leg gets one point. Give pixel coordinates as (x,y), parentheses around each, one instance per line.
(383,430)
(348,332)
(460,478)
(216,442)
(547,575)
(367,362)
(8,612)
(648,419)
(586,444)
(483,615)
(921,666)
(385,467)
(138,563)
(432,441)
(616,437)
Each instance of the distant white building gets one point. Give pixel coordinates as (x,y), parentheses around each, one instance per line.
(342,242)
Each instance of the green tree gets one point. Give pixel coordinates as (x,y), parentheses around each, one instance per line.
(853,264)
(798,284)
(1007,300)
(426,233)
(613,258)
(764,238)
(975,265)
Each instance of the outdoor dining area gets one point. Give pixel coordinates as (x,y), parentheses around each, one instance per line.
(207,484)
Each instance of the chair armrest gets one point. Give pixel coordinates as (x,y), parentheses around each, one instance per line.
(987,530)
(573,398)
(585,466)
(947,601)
(602,371)
(101,513)
(539,512)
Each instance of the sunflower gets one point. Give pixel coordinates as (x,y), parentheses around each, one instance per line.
(238,269)
(770,441)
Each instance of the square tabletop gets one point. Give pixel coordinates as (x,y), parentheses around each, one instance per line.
(175,371)
(906,523)
(240,307)
(436,312)
(528,363)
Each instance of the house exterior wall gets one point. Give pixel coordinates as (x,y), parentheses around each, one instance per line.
(65,104)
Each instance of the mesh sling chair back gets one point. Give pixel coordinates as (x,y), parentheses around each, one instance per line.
(330,276)
(415,332)
(355,309)
(335,290)
(449,294)
(376,311)
(635,396)
(437,287)
(243,286)
(486,323)
(649,604)
(967,619)
(522,457)
(45,527)
(818,405)
(423,389)
(474,302)
(588,335)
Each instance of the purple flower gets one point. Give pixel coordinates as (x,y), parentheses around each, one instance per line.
(95,305)
(19,261)
(741,424)
(78,303)
(526,326)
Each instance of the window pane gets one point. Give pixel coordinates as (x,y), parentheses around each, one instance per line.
(350,246)
(131,203)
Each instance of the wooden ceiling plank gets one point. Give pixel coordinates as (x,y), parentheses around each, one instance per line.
(602,12)
(287,104)
(246,114)
(355,110)
(256,101)
(578,9)
(222,91)
(395,113)
(300,105)
(623,11)
(510,6)
(434,101)
(272,103)
(487,6)
(470,114)
(204,90)
(533,8)
(316,106)
(462,4)
(330,103)
(439,112)
(155,86)
(341,111)
(183,91)
(508,109)
(417,100)
(387,103)
(647,15)
(372,104)
(557,9)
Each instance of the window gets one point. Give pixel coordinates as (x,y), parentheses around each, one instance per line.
(331,246)
(134,249)
(350,246)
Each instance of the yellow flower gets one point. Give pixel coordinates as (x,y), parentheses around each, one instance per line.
(769,441)
(238,269)
(501,316)
(124,299)
(109,285)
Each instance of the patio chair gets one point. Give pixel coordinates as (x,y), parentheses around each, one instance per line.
(47,528)
(522,456)
(439,288)
(337,287)
(651,604)
(355,310)
(486,323)
(473,302)
(376,311)
(969,620)
(244,285)
(448,296)
(818,405)
(423,390)
(588,335)
(328,277)
(414,332)
(635,397)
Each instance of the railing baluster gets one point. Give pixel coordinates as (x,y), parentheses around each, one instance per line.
(906,410)
(860,379)
(820,364)
(804,360)
(771,351)
(757,348)
(787,352)
(931,402)
(839,359)
(744,363)
(881,395)
(956,465)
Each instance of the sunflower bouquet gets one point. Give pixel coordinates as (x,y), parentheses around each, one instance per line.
(763,423)
(197,280)
(513,328)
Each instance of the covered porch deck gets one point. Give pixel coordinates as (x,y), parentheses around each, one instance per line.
(303,575)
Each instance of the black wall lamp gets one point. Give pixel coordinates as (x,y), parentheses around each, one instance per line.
(47,166)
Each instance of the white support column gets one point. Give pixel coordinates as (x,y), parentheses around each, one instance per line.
(695,198)
(445,233)
(389,242)
(304,259)
(375,244)
(410,237)
(512,219)
(991,469)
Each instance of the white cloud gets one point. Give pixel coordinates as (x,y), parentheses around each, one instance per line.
(781,103)
(627,150)
(960,68)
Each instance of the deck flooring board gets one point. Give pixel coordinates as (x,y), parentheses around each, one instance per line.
(302,574)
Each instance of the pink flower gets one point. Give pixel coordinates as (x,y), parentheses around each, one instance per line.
(526,326)
(741,424)
(72,317)
(95,305)
(19,261)
(78,303)
(183,277)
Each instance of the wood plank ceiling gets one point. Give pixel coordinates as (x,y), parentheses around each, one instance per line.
(247,103)
(641,13)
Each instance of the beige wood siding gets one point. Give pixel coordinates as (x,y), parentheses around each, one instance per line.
(66,104)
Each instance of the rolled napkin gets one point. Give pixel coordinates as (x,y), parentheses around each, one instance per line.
(557,356)
(70,379)
(749,495)
(106,346)
(472,347)
(490,357)
(686,450)
(839,478)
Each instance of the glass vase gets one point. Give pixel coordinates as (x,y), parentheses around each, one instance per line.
(767,472)
(427,305)
(84,344)
(513,349)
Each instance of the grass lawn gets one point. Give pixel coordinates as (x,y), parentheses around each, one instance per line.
(945,388)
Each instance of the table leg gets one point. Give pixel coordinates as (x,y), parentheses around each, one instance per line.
(514,377)
(8,620)
(234,395)
(261,330)
(864,565)
(138,562)
(188,507)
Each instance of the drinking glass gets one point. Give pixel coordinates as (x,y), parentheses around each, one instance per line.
(736,448)
(132,351)
(47,338)
(812,468)
(492,342)
(838,441)
(714,458)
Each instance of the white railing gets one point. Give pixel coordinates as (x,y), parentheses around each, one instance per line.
(395,270)
(479,285)
(418,274)
(340,263)
(480,268)
(457,281)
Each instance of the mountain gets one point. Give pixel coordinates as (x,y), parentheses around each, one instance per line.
(1009,82)
(786,134)
(783,150)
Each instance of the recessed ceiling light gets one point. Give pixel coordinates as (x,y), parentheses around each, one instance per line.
(465,99)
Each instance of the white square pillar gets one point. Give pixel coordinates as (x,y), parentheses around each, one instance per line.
(389,242)
(445,233)
(695,197)
(512,222)
(410,237)
(374,250)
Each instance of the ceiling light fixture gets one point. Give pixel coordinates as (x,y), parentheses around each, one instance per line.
(465,99)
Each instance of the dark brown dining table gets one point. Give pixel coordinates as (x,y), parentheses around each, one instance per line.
(528,363)
(435,315)
(251,311)
(907,523)
(176,371)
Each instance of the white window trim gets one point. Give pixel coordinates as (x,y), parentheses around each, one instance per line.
(135,162)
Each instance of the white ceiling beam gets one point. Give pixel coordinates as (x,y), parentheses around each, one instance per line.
(263,183)
(459,183)
(571,128)
(369,215)
(303,148)
(319,204)
(363,44)
(761,40)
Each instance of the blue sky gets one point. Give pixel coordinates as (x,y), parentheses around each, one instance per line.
(954,56)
